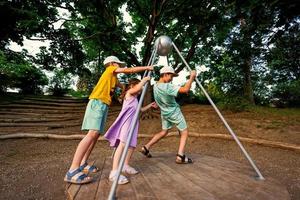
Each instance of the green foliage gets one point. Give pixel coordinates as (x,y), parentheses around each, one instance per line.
(30,79)
(198,96)
(234,103)
(287,94)
(214,92)
(291,113)
(225,74)
(155,73)
(25,18)
(78,93)
(63,53)
(16,72)
(60,83)
(5,73)
(248,46)
(284,57)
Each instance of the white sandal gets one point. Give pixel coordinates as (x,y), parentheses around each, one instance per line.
(129,170)
(122,179)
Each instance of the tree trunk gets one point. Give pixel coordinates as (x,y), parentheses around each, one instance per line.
(157,8)
(247,85)
(246,54)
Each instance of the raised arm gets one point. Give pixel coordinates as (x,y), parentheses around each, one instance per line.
(132,70)
(139,86)
(186,88)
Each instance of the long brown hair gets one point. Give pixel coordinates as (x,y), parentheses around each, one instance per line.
(132,82)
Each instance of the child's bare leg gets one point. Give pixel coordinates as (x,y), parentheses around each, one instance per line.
(127,168)
(83,147)
(183,139)
(116,160)
(117,156)
(181,157)
(156,138)
(88,153)
(129,154)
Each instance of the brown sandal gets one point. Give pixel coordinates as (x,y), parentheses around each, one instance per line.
(183,159)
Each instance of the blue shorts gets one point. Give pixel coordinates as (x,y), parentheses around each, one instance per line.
(176,119)
(95,116)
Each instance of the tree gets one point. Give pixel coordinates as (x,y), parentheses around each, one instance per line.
(60,83)
(25,18)
(239,61)
(284,65)
(237,40)
(17,72)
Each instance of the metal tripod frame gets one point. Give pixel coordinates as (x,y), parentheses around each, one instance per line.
(259,175)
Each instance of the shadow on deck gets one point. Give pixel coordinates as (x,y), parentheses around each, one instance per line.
(207,178)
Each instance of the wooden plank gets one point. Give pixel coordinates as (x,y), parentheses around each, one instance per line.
(71,190)
(224,164)
(272,187)
(142,189)
(211,178)
(227,184)
(104,183)
(183,186)
(88,191)
(125,192)
(222,168)
(247,185)
(159,184)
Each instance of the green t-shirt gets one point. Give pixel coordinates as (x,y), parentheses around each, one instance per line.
(164,95)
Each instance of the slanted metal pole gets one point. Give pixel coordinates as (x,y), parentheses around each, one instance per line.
(112,193)
(145,73)
(260,177)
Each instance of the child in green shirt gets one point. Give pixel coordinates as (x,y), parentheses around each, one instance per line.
(164,95)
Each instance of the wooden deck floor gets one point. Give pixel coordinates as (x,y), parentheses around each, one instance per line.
(208,178)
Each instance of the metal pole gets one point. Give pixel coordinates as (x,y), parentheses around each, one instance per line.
(145,73)
(150,61)
(260,177)
(112,192)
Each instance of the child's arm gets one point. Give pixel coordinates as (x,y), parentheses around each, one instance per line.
(138,87)
(150,105)
(186,88)
(132,70)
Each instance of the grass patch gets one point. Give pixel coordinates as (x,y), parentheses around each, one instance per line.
(79,94)
(275,125)
(288,112)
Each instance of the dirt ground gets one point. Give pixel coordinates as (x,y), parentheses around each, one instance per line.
(34,168)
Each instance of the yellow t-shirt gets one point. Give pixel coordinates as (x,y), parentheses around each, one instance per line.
(105,85)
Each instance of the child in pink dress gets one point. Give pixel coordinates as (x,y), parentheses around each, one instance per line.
(118,132)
